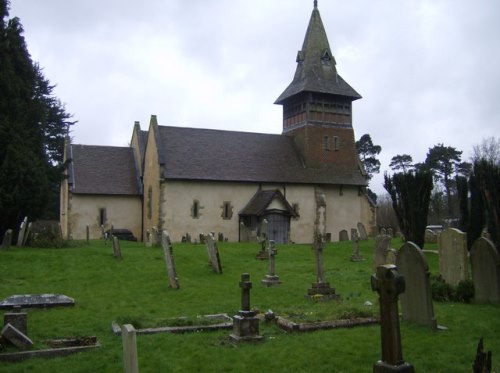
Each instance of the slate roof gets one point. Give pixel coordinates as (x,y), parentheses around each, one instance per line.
(316,70)
(205,154)
(261,200)
(103,170)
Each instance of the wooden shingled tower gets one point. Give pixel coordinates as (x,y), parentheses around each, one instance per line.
(317,105)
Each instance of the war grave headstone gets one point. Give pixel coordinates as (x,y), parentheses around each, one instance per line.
(362,231)
(485,262)
(382,245)
(117,251)
(343,235)
(416,302)
(453,256)
(129,343)
(173,281)
(389,284)
(355,256)
(320,289)
(22,231)
(245,324)
(263,254)
(36,300)
(213,253)
(7,239)
(271,279)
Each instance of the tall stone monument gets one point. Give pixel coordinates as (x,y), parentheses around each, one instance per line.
(389,284)
(320,289)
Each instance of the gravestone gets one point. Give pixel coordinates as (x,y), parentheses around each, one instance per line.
(391,256)
(149,242)
(354,233)
(416,302)
(129,342)
(485,262)
(173,281)
(220,237)
(213,253)
(16,337)
(320,289)
(343,235)
(27,233)
(37,300)
(117,251)
(263,253)
(22,231)
(243,232)
(389,284)
(271,279)
(155,237)
(188,238)
(19,320)
(7,239)
(382,245)
(201,236)
(362,232)
(453,256)
(356,256)
(430,236)
(245,324)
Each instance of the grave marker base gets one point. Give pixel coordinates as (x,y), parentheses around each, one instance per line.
(322,290)
(381,367)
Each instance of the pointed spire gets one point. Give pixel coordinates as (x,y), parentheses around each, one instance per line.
(315,4)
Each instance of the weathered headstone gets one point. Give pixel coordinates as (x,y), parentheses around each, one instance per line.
(389,285)
(129,342)
(16,337)
(22,231)
(382,244)
(271,279)
(213,253)
(430,236)
(362,231)
(19,320)
(391,256)
(201,236)
(343,235)
(155,237)
(27,233)
(485,262)
(320,289)
(245,324)
(453,259)
(243,232)
(7,239)
(355,256)
(416,302)
(117,251)
(220,237)
(188,238)
(149,241)
(173,281)
(354,233)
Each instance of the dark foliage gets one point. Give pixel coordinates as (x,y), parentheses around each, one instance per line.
(402,163)
(463,203)
(443,292)
(367,152)
(410,194)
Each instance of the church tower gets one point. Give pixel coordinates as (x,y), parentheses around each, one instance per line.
(317,105)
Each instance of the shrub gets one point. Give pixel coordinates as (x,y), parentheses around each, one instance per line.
(441,291)
(465,291)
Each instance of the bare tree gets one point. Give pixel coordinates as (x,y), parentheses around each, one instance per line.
(489,149)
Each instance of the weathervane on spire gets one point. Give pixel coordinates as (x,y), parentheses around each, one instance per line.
(315,4)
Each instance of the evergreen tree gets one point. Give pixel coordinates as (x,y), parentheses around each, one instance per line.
(33,125)
(401,163)
(367,152)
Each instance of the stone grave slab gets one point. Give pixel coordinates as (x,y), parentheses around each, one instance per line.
(485,262)
(37,301)
(453,256)
(16,337)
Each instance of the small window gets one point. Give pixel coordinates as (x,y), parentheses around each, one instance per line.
(336,143)
(326,143)
(195,209)
(227,210)
(102,216)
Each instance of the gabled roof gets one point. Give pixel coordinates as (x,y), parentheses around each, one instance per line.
(103,170)
(316,70)
(261,200)
(205,154)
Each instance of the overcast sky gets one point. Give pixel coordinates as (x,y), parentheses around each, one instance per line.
(428,70)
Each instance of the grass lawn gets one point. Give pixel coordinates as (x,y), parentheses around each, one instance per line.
(135,289)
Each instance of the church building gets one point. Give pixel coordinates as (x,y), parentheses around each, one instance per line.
(192,181)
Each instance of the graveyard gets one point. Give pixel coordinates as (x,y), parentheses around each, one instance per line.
(134,288)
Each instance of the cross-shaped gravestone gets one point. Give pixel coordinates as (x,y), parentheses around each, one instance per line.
(173,281)
(389,284)
(321,288)
(271,278)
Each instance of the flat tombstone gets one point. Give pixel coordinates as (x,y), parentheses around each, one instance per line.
(485,262)
(7,239)
(416,301)
(173,282)
(213,253)
(453,260)
(382,245)
(362,231)
(129,342)
(37,300)
(343,235)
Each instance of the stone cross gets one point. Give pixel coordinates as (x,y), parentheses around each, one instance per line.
(129,342)
(319,245)
(245,286)
(271,278)
(389,284)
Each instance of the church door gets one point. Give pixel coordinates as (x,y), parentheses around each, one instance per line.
(278,227)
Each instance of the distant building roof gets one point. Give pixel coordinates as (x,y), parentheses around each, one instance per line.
(261,200)
(204,154)
(103,170)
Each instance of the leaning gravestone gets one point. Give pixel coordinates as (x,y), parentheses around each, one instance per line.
(16,337)
(19,320)
(173,281)
(22,231)
(7,239)
(213,253)
(416,302)
(453,260)
(362,232)
(27,233)
(343,235)
(485,262)
(382,245)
